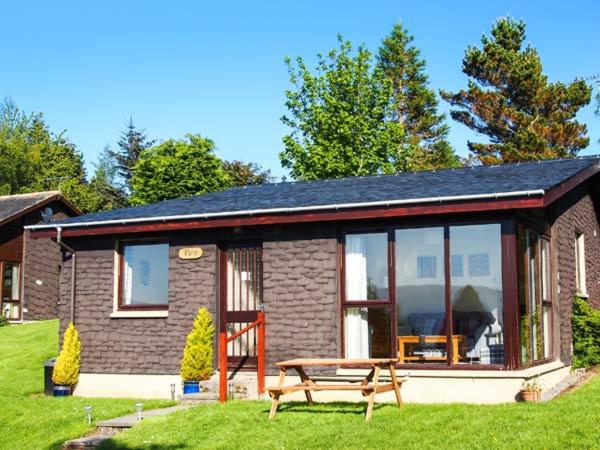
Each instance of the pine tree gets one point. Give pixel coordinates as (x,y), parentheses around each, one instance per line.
(415,103)
(66,369)
(197,362)
(510,100)
(131,144)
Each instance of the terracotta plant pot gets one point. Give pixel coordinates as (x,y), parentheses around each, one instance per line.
(531,396)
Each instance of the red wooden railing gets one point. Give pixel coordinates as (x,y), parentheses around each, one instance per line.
(259,324)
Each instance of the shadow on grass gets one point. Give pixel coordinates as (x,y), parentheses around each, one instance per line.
(110,444)
(325,408)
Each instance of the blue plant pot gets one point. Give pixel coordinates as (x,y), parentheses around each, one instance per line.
(61,390)
(191,387)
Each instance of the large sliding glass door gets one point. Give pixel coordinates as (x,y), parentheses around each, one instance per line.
(434,294)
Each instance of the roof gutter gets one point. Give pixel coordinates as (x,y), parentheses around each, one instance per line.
(253,212)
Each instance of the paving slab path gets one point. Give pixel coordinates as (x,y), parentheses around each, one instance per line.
(108,428)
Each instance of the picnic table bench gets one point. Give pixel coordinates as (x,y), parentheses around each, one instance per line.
(369,386)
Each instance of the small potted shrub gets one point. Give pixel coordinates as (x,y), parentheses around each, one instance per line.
(66,369)
(531,391)
(197,361)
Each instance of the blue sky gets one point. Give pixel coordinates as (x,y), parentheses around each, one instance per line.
(216,68)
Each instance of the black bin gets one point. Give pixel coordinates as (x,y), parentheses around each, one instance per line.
(48,369)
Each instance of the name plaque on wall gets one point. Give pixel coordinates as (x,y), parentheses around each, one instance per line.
(190,253)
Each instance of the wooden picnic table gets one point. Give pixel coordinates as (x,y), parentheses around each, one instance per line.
(369,386)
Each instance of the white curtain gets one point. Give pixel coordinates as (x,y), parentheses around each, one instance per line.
(356,323)
(128,275)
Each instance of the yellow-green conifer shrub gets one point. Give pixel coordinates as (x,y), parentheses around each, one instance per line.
(197,362)
(66,369)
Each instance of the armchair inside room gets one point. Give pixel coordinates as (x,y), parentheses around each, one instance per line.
(487,345)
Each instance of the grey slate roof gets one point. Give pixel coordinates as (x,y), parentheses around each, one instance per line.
(12,205)
(404,186)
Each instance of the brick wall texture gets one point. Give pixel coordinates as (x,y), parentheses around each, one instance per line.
(577,212)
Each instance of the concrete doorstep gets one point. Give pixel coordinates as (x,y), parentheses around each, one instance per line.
(108,428)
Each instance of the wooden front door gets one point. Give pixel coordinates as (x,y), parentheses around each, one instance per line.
(241,300)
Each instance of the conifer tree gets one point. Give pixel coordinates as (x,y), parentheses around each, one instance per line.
(131,144)
(197,362)
(66,369)
(510,100)
(415,103)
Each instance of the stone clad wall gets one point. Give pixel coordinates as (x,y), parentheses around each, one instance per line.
(575,213)
(300,300)
(300,297)
(134,345)
(41,269)
(41,263)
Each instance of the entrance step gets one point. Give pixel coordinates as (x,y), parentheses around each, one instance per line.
(197,399)
(240,385)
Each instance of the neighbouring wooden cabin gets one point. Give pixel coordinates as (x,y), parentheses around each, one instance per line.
(29,269)
(467,276)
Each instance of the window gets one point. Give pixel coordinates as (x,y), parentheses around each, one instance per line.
(444,304)
(420,302)
(456,265)
(535,296)
(366,263)
(366,318)
(11,290)
(144,278)
(477,307)
(580,264)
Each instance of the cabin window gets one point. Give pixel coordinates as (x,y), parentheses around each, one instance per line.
(144,275)
(420,307)
(580,264)
(431,295)
(535,296)
(367,329)
(477,307)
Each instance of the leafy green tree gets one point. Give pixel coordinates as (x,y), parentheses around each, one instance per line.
(19,153)
(510,100)
(131,145)
(338,118)
(244,174)
(32,158)
(177,168)
(415,103)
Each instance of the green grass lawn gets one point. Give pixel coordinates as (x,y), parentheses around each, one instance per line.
(572,421)
(28,419)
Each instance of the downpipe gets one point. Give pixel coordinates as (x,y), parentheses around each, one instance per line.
(73,267)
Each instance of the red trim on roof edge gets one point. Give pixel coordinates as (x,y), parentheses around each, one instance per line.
(316,216)
(558,191)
